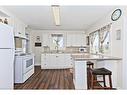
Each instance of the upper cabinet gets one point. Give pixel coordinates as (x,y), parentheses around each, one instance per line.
(19,28)
(76,39)
(46,39)
(17,24)
(71,39)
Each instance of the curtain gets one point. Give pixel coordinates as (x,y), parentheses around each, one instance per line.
(103,34)
(92,38)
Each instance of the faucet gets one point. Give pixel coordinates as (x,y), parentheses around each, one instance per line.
(56,47)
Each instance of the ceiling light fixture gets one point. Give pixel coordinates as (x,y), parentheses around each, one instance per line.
(56,14)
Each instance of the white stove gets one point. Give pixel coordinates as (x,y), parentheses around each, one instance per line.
(24,67)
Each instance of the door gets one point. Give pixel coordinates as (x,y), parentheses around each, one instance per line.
(6,68)
(28,63)
(69,40)
(51,61)
(46,39)
(68,61)
(60,60)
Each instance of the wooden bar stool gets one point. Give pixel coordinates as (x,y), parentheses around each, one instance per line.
(103,72)
(90,65)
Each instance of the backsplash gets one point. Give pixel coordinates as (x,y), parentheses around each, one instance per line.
(72,49)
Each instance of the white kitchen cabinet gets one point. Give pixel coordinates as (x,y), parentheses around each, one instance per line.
(70,39)
(43,60)
(19,28)
(46,39)
(80,75)
(56,61)
(59,59)
(68,60)
(76,39)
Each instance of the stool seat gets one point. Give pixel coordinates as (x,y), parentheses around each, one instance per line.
(101,71)
(90,63)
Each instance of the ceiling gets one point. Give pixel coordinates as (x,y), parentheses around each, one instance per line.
(71,17)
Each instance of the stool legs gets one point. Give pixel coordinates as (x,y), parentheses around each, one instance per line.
(104,80)
(92,81)
(88,78)
(110,81)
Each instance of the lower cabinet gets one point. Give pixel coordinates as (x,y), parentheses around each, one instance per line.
(56,61)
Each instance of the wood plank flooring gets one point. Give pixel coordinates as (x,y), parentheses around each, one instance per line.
(48,79)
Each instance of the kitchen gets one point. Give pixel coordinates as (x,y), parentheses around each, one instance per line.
(52,55)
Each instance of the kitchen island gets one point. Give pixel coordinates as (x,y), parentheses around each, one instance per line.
(57,60)
(80,68)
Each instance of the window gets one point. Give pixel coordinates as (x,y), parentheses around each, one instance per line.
(57,41)
(100,40)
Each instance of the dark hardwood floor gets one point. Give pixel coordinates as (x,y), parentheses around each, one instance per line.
(48,79)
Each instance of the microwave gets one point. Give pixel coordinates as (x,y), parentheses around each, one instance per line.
(82,49)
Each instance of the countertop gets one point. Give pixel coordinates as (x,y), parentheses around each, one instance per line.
(64,52)
(88,56)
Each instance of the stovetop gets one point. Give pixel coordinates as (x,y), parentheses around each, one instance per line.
(22,54)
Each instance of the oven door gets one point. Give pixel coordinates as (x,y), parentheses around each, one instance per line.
(28,63)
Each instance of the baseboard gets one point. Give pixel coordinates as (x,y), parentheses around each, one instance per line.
(37,64)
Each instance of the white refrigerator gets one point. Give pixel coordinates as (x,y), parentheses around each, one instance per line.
(7,50)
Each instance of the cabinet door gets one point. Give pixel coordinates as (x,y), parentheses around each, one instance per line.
(68,61)
(22,29)
(69,40)
(43,61)
(60,62)
(47,60)
(46,39)
(52,61)
(79,39)
(75,39)
(16,32)
(83,40)
(19,28)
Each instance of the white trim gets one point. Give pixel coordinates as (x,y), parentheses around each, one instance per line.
(37,64)
(124,54)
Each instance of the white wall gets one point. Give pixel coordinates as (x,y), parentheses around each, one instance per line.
(116,46)
(115,26)
(38,50)
(125,50)
(35,50)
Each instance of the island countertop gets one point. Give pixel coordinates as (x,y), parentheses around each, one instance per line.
(88,56)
